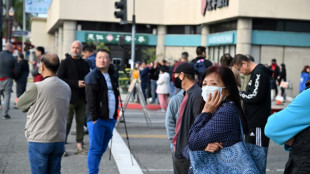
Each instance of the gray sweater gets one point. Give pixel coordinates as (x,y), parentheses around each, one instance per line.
(47,103)
(173,113)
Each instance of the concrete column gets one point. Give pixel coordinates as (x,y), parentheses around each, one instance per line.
(60,43)
(160,49)
(204,32)
(68,36)
(55,43)
(244,36)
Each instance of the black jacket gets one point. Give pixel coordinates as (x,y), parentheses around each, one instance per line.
(275,72)
(207,62)
(154,72)
(191,110)
(71,74)
(22,71)
(97,94)
(299,161)
(256,98)
(8,64)
(282,76)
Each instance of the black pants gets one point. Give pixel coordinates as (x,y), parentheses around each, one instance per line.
(180,166)
(20,87)
(257,136)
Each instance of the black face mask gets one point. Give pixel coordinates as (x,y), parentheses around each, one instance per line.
(178,82)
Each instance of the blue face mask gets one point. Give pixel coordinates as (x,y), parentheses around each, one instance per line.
(210,89)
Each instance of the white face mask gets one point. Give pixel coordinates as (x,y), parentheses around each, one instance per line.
(210,89)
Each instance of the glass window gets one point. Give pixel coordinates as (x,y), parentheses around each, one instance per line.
(221,27)
(281,25)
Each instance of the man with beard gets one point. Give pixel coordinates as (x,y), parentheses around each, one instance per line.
(72,70)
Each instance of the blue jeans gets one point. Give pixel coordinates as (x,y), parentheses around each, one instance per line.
(171,89)
(100,134)
(153,90)
(45,157)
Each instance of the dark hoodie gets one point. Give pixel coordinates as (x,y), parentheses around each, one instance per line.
(256,98)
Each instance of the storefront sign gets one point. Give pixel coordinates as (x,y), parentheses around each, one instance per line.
(220,39)
(112,38)
(212,5)
(37,6)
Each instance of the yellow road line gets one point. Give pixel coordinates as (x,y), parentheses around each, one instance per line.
(145,136)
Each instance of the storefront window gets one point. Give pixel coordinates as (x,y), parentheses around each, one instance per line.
(216,52)
(281,25)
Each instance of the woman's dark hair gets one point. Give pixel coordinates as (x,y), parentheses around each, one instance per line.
(226,60)
(163,69)
(305,68)
(282,65)
(230,83)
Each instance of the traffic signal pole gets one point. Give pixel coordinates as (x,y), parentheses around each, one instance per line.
(133,38)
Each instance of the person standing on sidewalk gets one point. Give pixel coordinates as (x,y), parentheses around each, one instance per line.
(275,73)
(163,86)
(102,102)
(72,70)
(154,74)
(8,65)
(189,108)
(22,77)
(45,102)
(256,99)
(184,58)
(144,75)
(35,72)
(200,63)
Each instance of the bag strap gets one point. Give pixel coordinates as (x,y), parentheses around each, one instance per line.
(242,133)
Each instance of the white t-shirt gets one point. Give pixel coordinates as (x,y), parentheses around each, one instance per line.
(111,96)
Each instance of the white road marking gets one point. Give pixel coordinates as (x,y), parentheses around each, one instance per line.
(122,157)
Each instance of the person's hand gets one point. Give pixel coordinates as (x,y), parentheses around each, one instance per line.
(81,84)
(290,142)
(213,102)
(94,122)
(213,147)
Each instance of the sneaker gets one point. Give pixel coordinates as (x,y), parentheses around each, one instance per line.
(85,130)
(6,117)
(81,150)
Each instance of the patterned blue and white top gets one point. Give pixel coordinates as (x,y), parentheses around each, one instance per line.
(221,126)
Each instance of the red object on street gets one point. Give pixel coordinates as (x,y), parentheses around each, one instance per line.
(139,107)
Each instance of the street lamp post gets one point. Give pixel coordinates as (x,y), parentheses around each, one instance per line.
(10,24)
(1,24)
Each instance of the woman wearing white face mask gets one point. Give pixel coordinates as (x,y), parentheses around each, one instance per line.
(218,124)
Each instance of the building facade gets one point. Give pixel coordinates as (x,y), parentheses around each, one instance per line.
(265,29)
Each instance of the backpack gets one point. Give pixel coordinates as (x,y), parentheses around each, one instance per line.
(200,67)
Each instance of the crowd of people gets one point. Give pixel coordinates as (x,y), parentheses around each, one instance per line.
(211,107)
